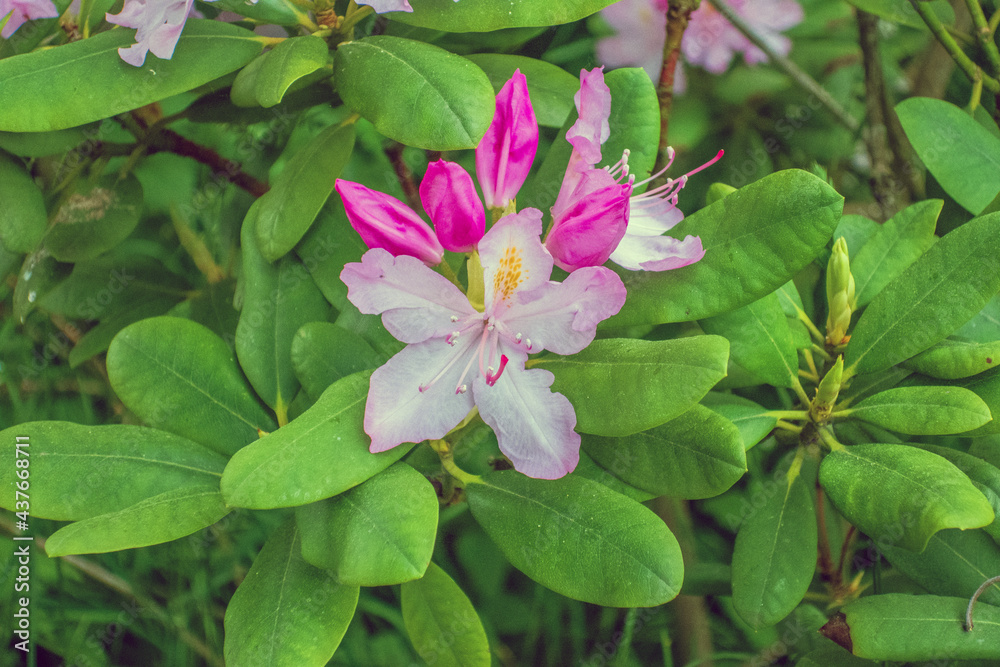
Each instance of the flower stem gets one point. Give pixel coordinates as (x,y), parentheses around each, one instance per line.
(984,36)
(829,440)
(678,15)
(788,414)
(975,596)
(447,456)
(972,71)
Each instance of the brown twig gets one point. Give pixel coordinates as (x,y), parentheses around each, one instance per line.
(168,140)
(405,176)
(678,15)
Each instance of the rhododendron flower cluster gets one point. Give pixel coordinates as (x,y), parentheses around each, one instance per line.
(468,351)
(24,10)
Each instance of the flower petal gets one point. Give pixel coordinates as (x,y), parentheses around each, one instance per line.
(397,411)
(450,200)
(383,6)
(586,229)
(563,317)
(513,259)
(657,253)
(385,222)
(652,217)
(416,303)
(534,426)
(591,129)
(506,151)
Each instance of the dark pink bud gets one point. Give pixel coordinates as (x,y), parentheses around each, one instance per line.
(504,156)
(587,229)
(450,200)
(385,222)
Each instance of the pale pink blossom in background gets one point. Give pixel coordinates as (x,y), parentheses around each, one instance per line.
(158,25)
(24,10)
(710,41)
(383,6)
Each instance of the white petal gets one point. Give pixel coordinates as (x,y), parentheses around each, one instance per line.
(657,253)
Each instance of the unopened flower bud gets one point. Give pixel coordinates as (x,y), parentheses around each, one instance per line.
(839,294)
(827,392)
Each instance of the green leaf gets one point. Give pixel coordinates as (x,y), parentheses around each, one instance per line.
(634,121)
(442,623)
(897,244)
(488,15)
(985,477)
(131,309)
(621,386)
(699,454)
(326,247)
(23,219)
(579,538)
(439,101)
(287,62)
(322,353)
(924,410)
(755,240)
(896,626)
(287,612)
(955,562)
(986,387)
(953,359)
(78,472)
(162,518)
(379,533)
(754,425)
(95,218)
(39,275)
(984,327)
(41,144)
(775,554)
(900,495)
(902,12)
(831,656)
(759,340)
(42,90)
(962,155)
(551,88)
(179,376)
(319,454)
(935,295)
(277,300)
(281,217)
(274,12)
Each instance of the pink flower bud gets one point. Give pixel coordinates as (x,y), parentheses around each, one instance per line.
(505,154)
(587,228)
(450,200)
(385,222)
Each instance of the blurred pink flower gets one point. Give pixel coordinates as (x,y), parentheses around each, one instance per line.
(24,10)
(711,41)
(383,6)
(158,25)
(641,31)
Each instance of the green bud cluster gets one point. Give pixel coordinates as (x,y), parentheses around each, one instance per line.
(839,294)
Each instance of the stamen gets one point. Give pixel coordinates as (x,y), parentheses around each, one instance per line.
(528,344)
(452,338)
(620,167)
(492,379)
(454,318)
(424,387)
(517,338)
(462,389)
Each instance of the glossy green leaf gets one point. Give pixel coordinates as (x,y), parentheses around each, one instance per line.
(39,274)
(955,562)
(775,554)
(78,472)
(551,88)
(985,326)
(898,243)
(954,358)
(488,15)
(179,376)
(274,12)
(985,477)
(379,533)
(287,62)
(41,144)
(442,623)
(162,518)
(281,217)
(326,247)
(857,231)
(751,419)
(900,495)
(580,539)
(896,626)
(699,454)
(987,387)
(95,218)
(23,219)
(287,612)
(588,467)
(319,454)
(277,300)
(243,92)
(621,386)
(755,240)
(935,295)
(902,12)
(924,410)
(31,102)
(322,353)
(759,340)
(131,309)
(634,121)
(831,656)
(962,155)
(439,101)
